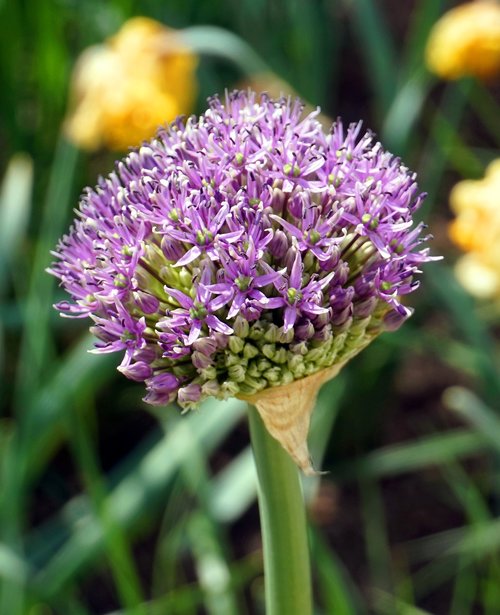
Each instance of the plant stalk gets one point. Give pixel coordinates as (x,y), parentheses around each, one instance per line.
(283,524)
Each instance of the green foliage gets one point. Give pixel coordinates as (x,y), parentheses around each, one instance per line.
(161,519)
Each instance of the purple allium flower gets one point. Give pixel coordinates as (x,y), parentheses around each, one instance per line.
(242,250)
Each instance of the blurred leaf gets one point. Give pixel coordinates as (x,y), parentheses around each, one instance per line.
(211,40)
(459,154)
(375,532)
(213,570)
(460,306)
(36,340)
(185,599)
(12,567)
(117,547)
(435,156)
(412,456)
(476,510)
(376,44)
(464,590)
(487,108)
(40,423)
(462,547)
(138,491)
(472,409)
(403,113)
(208,542)
(424,15)
(386,604)
(15,204)
(337,590)
(234,489)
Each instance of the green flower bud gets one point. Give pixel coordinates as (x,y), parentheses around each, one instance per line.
(234,359)
(252,385)
(271,335)
(263,365)
(280,356)
(241,327)
(273,375)
(250,351)
(208,373)
(211,388)
(253,370)
(229,388)
(185,278)
(315,354)
(295,361)
(285,338)
(256,331)
(300,348)
(236,373)
(236,344)
(268,350)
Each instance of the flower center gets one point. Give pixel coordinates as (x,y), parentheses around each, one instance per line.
(370,221)
(243,282)
(313,236)
(120,281)
(198,311)
(293,295)
(291,169)
(396,246)
(204,237)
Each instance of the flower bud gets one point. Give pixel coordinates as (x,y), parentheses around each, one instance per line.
(241,327)
(189,394)
(138,371)
(236,344)
(278,245)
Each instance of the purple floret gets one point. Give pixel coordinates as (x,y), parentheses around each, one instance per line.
(242,237)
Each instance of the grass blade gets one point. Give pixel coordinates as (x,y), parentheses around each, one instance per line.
(338,592)
(141,487)
(413,456)
(375,42)
(472,409)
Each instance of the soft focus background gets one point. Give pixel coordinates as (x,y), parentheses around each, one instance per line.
(110,506)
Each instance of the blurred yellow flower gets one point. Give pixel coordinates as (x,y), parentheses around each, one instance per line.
(466,41)
(124,89)
(476,230)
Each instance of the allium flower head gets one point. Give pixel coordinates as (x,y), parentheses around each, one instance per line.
(466,41)
(476,230)
(243,250)
(141,77)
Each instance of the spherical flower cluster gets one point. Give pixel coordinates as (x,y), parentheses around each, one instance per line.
(122,90)
(476,230)
(466,41)
(243,250)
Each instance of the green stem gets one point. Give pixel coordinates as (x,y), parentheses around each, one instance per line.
(283,521)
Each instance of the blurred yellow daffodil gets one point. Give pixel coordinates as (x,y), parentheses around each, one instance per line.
(124,89)
(476,230)
(466,41)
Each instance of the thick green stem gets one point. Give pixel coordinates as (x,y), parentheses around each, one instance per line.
(283,521)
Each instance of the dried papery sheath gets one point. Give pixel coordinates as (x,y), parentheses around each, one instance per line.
(286,412)
(243,251)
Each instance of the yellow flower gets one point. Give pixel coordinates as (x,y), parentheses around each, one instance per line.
(466,41)
(476,230)
(123,90)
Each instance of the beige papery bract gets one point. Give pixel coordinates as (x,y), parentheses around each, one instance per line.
(286,412)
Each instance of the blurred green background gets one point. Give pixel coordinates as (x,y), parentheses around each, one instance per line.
(110,506)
